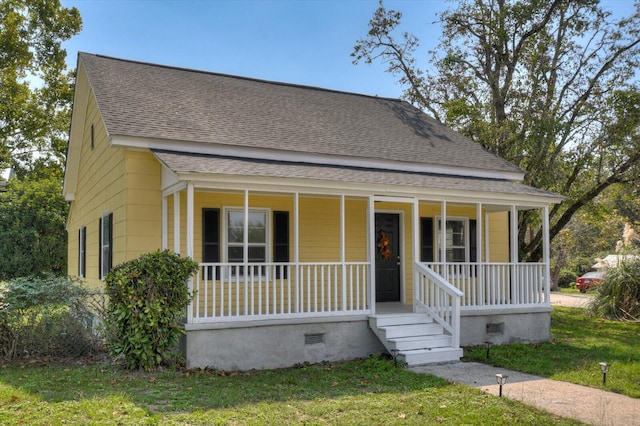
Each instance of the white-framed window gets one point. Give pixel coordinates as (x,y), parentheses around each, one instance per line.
(257,246)
(457,238)
(106,244)
(82,252)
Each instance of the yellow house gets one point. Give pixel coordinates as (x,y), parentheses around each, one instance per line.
(317,216)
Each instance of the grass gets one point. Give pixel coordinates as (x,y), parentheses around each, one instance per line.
(579,343)
(362,392)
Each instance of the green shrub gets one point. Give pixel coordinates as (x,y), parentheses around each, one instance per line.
(147,298)
(567,278)
(45,317)
(618,296)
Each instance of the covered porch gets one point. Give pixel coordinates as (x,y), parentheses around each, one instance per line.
(347,276)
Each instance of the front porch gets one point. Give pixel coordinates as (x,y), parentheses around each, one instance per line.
(478,302)
(322,309)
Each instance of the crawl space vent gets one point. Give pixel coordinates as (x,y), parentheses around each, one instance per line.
(312,339)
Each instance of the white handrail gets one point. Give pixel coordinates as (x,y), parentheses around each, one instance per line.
(439,298)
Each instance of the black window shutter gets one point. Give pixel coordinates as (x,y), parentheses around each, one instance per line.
(80,252)
(211,238)
(110,262)
(426,239)
(100,248)
(210,235)
(473,241)
(281,241)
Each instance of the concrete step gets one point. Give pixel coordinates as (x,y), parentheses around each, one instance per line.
(420,342)
(430,356)
(411,330)
(400,319)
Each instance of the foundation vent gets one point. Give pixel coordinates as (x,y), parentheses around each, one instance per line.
(313,339)
(495,328)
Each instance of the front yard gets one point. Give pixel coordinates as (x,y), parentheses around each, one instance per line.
(362,392)
(579,343)
(369,391)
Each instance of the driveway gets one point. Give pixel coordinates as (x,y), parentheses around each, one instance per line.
(570,300)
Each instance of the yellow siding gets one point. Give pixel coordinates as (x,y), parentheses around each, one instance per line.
(144,204)
(125,183)
(101,189)
(499,237)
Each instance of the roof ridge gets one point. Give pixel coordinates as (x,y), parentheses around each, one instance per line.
(240,77)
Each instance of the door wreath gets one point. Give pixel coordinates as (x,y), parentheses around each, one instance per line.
(383,246)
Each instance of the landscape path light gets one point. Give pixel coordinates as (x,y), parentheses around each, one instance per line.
(501,379)
(604,366)
(488,344)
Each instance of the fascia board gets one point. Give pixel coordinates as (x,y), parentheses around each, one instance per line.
(76,133)
(296,157)
(314,186)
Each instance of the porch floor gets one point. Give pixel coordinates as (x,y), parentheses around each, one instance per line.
(383,308)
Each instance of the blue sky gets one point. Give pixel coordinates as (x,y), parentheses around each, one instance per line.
(295,41)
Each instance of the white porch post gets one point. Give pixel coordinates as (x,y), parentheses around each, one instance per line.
(190,221)
(480,265)
(176,222)
(296,253)
(189,242)
(514,253)
(546,254)
(165,225)
(245,231)
(443,239)
(371,254)
(416,251)
(487,252)
(343,255)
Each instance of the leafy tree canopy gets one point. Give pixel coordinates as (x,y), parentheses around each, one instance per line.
(33,239)
(35,89)
(549,85)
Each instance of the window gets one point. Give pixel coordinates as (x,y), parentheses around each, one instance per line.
(257,239)
(105,256)
(82,255)
(234,237)
(457,240)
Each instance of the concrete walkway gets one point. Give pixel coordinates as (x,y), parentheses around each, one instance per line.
(570,300)
(589,405)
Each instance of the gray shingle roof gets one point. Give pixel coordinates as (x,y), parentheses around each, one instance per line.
(152,101)
(212,164)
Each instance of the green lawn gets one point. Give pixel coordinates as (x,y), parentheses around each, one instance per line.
(365,392)
(579,343)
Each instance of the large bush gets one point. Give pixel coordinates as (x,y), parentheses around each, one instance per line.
(33,239)
(147,298)
(618,296)
(45,317)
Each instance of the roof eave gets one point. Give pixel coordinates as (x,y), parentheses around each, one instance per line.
(310,158)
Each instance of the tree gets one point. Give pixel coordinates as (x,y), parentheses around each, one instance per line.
(35,89)
(549,85)
(33,238)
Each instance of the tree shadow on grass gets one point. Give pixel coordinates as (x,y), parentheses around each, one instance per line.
(210,389)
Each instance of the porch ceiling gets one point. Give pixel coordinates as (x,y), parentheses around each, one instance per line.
(186,163)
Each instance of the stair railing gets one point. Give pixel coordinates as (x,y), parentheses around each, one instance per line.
(439,298)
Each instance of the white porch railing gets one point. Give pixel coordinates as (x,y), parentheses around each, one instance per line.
(229,292)
(437,297)
(495,284)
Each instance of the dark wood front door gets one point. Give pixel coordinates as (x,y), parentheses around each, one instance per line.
(387,257)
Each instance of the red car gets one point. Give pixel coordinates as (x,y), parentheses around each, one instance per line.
(589,280)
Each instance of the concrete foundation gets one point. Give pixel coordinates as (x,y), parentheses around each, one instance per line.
(506,326)
(265,346)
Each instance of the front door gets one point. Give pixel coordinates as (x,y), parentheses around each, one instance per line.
(387,257)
